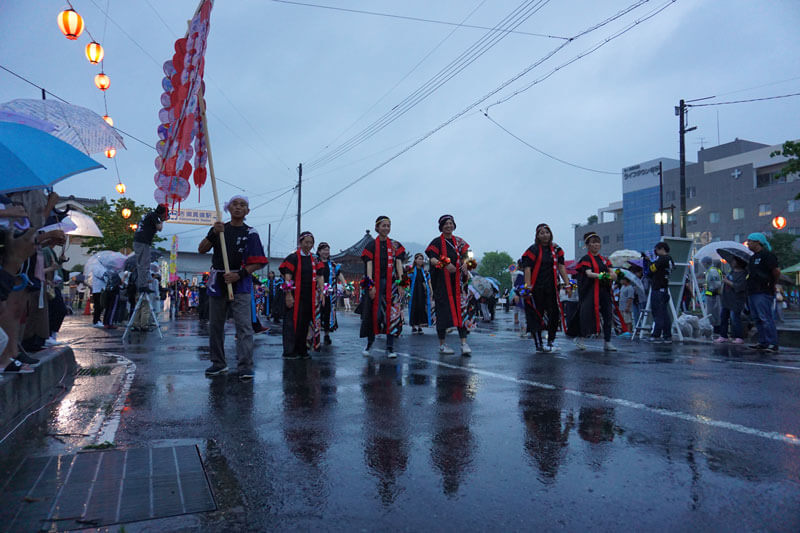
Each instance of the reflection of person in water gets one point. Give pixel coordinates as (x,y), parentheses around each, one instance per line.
(307,393)
(596,424)
(545,435)
(453,443)
(386,445)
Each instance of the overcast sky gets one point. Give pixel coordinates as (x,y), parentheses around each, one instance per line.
(286,81)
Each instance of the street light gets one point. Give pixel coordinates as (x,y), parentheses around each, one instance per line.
(694,210)
(661,216)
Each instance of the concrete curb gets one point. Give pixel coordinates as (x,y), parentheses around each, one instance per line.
(21,394)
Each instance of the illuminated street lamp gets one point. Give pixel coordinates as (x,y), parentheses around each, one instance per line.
(694,210)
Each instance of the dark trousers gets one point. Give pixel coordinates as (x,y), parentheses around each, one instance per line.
(734,318)
(546,305)
(659,305)
(441,332)
(98,299)
(57,311)
(295,339)
(112,298)
(588,315)
(389,341)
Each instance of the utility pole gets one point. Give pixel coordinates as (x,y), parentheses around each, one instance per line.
(269,244)
(299,195)
(661,198)
(682,131)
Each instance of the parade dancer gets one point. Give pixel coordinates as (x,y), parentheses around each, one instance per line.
(383,273)
(419,300)
(449,274)
(331,274)
(301,288)
(595,276)
(543,262)
(245,256)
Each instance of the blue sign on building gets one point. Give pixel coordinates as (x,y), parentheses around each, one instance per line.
(640,203)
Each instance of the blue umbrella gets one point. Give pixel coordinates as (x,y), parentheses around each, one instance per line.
(33,159)
(494,282)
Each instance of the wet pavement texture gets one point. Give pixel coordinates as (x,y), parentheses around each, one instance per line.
(652,437)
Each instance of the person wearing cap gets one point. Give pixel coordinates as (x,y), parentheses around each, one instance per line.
(302,290)
(449,279)
(762,276)
(245,256)
(595,301)
(383,270)
(543,263)
(331,277)
(659,295)
(419,300)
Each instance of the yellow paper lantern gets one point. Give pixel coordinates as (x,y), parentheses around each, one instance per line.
(102,81)
(70,23)
(120,188)
(94,52)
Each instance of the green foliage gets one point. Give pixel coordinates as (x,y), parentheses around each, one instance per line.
(495,265)
(117,233)
(791,150)
(783,247)
(592,220)
(76,268)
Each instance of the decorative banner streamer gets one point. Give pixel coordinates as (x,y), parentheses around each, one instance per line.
(180,118)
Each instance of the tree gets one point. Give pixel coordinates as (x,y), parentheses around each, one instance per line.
(592,220)
(117,232)
(783,246)
(495,265)
(791,150)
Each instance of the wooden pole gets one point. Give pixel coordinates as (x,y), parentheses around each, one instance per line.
(224,250)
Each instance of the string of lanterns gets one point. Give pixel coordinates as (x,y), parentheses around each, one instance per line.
(72,26)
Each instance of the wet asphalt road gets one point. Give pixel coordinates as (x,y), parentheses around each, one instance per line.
(654,438)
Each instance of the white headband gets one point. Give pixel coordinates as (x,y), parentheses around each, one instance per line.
(237,197)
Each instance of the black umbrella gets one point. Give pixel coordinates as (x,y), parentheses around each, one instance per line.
(728,254)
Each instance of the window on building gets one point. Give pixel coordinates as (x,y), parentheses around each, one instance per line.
(793,205)
(713,218)
(691,192)
(670,196)
(738,213)
(606,239)
(620,237)
(691,219)
(764,210)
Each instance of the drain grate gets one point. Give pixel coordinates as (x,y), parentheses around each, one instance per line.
(104,370)
(103,488)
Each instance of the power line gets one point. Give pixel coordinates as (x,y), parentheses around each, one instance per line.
(499,88)
(545,153)
(415,19)
(745,101)
(401,80)
(520,14)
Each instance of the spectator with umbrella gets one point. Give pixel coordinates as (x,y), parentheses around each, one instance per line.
(734,296)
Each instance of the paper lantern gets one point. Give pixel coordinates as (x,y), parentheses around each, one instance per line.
(94,52)
(126,212)
(109,120)
(102,81)
(111,152)
(70,23)
(779,222)
(133,227)
(120,188)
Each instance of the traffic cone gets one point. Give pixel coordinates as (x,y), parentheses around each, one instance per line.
(86,310)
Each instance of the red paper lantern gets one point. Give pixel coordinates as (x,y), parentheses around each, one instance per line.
(120,188)
(111,152)
(70,23)
(779,222)
(102,81)
(94,52)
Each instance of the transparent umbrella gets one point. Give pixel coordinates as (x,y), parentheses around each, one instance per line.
(82,128)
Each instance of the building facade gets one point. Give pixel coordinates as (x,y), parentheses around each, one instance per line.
(732,190)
